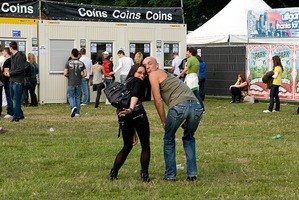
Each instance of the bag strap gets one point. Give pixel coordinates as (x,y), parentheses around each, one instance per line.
(128,80)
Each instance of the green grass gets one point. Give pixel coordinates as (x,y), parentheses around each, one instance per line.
(237,157)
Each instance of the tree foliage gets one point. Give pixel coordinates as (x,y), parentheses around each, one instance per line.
(196,12)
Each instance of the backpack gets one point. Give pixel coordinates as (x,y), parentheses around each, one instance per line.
(183,63)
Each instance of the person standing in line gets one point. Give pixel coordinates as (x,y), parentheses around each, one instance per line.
(138,58)
(108,74)
(175,64)
(2,60)
(125,64)
(107,68)
(201,77)
(6,68)
(74,70)
(132,120)
(191,69)
(274,91)
(2,57)
(16,74)
(111,65)
(27,81)
(34,73)
(97,72)
(184,110)
(85,81)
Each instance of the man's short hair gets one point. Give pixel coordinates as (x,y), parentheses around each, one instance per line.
(13,45)
(75,52)
(83,51)
(192,50)
(121,52)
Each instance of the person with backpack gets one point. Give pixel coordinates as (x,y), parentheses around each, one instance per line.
(134,120)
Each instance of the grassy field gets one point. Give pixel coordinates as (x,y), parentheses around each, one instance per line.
(237,157)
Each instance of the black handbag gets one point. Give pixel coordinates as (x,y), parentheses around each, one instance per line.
(118,95)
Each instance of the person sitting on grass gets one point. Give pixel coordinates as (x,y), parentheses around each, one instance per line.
(237,88)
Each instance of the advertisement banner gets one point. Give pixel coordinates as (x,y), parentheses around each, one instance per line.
(285,52)
(80,12)
(273,23)
(296,72)
(25,8)
(260,61)
(258,65)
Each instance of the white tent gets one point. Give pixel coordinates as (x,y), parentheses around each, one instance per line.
(227,26)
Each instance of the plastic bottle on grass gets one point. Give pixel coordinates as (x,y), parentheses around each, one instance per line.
(277,137)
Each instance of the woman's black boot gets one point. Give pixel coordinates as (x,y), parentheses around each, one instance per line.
(113,174)
(144,176)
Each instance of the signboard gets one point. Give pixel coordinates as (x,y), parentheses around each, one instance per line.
(77,12)
(80,12)
(25,8)
(16,33)
(273,23)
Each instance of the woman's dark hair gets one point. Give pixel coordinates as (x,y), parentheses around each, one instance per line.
(134,69)
(199,58)
(277,62)
(99,60)
(7,50)
(108,57)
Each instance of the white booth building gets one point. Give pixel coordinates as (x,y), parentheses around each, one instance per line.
(52,33)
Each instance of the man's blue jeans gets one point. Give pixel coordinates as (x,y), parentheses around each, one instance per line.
(16,91)
(73,96)
(189,113)
(9,106)
(86,91)
(123,78)
(108,81)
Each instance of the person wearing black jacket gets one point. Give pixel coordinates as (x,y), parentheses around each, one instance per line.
(16,75)
(27,81)
(132,120)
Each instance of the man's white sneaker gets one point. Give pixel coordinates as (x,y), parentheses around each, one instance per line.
(7,116)
(77,115)
(74,109)
(267,111)
(107,102)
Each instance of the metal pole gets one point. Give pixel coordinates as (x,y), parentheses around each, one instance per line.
(182,6)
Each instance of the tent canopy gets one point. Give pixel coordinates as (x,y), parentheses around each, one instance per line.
(227,26)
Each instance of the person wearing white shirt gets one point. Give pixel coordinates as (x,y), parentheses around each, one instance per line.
(2,58)
(85,81)
(175,64)
(125,64)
